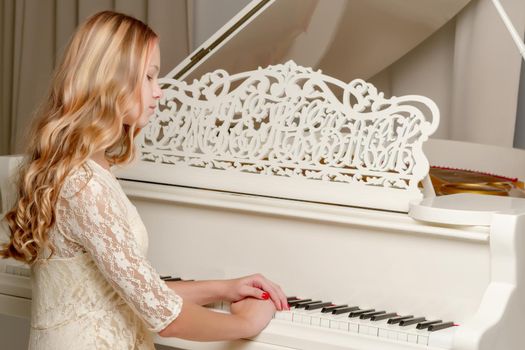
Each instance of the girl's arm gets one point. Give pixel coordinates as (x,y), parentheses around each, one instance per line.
(232,290)
(199,292)
(248,317)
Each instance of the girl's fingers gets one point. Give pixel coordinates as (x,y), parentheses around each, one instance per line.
(256,293)
(274,291)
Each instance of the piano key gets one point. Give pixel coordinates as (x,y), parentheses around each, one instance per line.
(288,299)
(345,310)
(401,336)
(316,321)
(437,327)
(337,320)
(297,301)
(303,304)
(398,319)
(173,279)
(317,306)
(285,315)
(306,319)
(360,312)
(411,321)
(383,316)
(426,324)
(369,315)
(370,322)
(344,326)
(412,338)
(325,322)
(332,308)
(368,330)
(383,333)
(164,277)
(392,335)
(422,340)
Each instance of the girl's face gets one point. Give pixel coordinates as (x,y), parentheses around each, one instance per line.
(151,91)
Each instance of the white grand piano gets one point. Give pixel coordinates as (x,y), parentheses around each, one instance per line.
(258,163)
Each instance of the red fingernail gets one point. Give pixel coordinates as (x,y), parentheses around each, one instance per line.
(265,296)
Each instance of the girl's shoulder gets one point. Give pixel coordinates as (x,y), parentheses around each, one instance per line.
(86,177)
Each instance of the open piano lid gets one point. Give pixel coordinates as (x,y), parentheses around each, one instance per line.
(346,39)
(330,141)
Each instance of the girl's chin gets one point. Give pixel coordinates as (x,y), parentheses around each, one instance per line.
(142,122)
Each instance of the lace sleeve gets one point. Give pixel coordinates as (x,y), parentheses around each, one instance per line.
(93,214)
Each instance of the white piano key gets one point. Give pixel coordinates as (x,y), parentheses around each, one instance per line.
(373,331)
(325,322)
(412,338)
(334,320)
(392,335)
(282,315)
(353,327)
(343,325)
(363,329)
(316,321)
(383,333)
(402,336)
(442,339)
(422,339)
(285,316)
(306,319)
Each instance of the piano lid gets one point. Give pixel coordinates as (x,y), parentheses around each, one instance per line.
(346,39)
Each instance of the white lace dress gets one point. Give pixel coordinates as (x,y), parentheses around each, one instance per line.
(98,291)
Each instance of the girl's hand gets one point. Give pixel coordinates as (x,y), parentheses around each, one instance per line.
(254,313)
(255,286)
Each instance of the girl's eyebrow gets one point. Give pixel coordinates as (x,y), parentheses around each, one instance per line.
(155,67)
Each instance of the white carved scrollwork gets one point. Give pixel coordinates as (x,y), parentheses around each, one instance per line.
(290,121)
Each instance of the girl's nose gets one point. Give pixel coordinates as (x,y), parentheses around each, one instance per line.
(157,92)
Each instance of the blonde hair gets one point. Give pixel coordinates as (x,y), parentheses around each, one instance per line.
(97,84)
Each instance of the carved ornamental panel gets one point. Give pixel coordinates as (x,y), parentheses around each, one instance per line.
(290,121)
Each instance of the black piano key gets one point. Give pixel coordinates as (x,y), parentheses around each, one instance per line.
(345,310)
(302,305)
(370,314)
(332,308)
(288,299)
(383,316)
(437,327)
(398,319)
(164,277)
(297,301)
(317,306)
(360,312)
(412,321)
(173,279)
(426,324)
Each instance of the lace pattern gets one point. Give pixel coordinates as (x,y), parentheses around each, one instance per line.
(99,281)
(94,213)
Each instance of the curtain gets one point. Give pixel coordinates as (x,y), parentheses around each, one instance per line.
(34,34)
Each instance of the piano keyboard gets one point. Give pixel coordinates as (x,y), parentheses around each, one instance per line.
(331,319)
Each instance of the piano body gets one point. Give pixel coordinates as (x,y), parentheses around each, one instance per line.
(312,178)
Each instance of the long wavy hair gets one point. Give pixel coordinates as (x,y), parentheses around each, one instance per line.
(96,85)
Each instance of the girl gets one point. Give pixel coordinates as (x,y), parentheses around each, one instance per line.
(93,287)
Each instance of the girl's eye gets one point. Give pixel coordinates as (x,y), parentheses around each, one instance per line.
(149,77)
